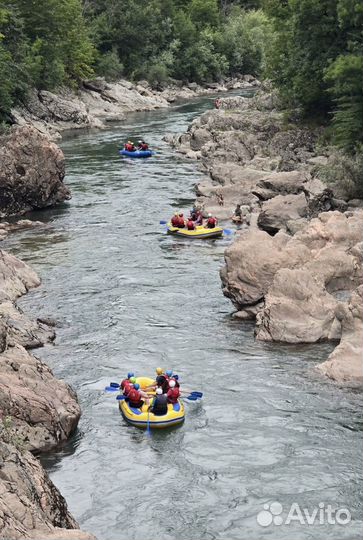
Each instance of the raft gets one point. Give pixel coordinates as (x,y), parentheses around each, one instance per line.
(137,153)
(139,417)
(199,232)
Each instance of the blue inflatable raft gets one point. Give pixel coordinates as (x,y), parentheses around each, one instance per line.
(137,153)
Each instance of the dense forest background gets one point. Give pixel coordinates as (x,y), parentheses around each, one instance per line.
(310,49)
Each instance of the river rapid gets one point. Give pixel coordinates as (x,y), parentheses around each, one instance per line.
(128,297)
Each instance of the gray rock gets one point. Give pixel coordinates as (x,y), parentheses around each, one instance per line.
(276,212)
(31,172)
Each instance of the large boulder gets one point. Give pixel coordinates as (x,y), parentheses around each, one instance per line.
(251,263)
(327,246)
(30,504)
(16,277)
(44,410)
(345,363)
(279,210)
(31,172)
(298,309)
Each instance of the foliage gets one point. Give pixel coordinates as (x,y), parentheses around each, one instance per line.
(316,62)
(345,172)
(108,65)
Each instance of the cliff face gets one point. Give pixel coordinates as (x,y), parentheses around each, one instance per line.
(31,172)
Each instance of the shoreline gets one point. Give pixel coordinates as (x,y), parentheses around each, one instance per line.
(295,266)
(97,103)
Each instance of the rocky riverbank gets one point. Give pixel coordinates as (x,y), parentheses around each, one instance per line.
(97,102)
(296,265)
(37,411)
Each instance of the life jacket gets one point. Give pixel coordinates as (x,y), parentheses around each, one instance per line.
(175,221)
(173,394)
(123,382)
(126,386)
(199,218)
(181,222)
(190,225)
(211,222)
(129,147)
(134,398)
(160,405)
(143,146)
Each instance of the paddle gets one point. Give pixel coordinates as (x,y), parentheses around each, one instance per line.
(163,222)
(148,431)
(228,231)
(198,394)
(115,384)
(111,389)
(120,397)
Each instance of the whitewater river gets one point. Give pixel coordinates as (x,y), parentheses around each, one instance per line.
(128,297)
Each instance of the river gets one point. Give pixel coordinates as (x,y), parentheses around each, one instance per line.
(128,297)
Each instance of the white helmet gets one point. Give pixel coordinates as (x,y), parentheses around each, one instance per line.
(209,215)
(159,391)
(172,383)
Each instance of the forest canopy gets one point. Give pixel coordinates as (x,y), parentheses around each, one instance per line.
(311,50)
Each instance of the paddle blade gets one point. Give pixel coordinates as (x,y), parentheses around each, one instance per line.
(228,231)
(192,398)
(198,394)
(120,397)
(111,389)
(163,222)
(114,384)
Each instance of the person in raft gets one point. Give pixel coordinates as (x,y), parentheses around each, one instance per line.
(127,381)
(211,222)
(181,220)
(143,146)
(129,146)
(135,396)
(173,393)
(175,220)
(159,406)
(128,387)
(196,216)
(161,381)
(190,224)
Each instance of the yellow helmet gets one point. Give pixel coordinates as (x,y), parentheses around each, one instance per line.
(159,371)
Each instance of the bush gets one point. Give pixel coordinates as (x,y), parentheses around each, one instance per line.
(345,173)
(109,66)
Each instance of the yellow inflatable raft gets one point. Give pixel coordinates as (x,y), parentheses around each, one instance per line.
(199,232)
(140,417)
